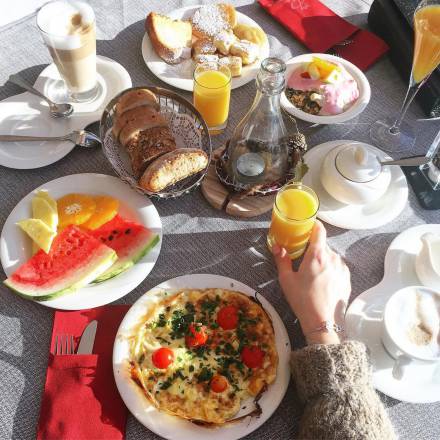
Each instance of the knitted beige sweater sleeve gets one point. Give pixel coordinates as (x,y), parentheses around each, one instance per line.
(334,383)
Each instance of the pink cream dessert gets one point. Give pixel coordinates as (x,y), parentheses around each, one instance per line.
(333,89)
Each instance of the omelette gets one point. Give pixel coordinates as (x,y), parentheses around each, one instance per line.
(198,354)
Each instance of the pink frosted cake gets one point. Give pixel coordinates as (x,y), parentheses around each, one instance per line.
(322,88)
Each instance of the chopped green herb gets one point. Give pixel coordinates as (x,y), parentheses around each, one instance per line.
(204,375)
(191,368)
(161,322)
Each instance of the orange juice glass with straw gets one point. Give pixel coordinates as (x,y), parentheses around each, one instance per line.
(212,94)
(293,216)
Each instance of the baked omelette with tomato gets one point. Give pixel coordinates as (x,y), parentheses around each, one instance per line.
(198,354)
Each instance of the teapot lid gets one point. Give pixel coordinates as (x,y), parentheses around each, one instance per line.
(358,163)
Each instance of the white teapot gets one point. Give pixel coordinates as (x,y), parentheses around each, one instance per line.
(352,173)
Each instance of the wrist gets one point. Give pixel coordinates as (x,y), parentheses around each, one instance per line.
(323,337)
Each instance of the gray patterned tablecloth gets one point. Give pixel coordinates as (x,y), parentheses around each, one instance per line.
(197,239)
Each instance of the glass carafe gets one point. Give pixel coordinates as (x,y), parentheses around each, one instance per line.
(257,151)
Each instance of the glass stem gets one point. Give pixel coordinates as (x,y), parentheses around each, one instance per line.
(410,94)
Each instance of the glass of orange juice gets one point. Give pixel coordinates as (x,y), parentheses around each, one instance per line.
(212,94)
(293,216)
(393,134)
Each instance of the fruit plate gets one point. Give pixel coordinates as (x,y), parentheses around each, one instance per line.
(15,246)
(181,75)
(358,106)
(174,428)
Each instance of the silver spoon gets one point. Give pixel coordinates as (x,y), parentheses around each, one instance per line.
(56,110)
(408,162)
(79,137)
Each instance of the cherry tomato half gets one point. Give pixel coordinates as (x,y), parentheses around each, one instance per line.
(219,383)
(252,356)
(162,357)
(197,335)
(227,317)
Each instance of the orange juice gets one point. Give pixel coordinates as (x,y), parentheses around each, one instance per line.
(293,217)
(427,41)
(212,91)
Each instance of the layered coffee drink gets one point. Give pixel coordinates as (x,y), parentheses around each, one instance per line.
(416,324)
(68,29)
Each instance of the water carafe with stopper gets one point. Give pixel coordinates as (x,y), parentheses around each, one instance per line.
(257,151)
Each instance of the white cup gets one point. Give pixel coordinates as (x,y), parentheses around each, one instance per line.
(412,314)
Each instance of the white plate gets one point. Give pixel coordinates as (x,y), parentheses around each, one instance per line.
(369,216)
(27,114)
(15,246)
(174,428)
(420,383)
(181,75)
(357,108)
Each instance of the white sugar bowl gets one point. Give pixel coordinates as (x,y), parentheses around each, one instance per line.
(352,173)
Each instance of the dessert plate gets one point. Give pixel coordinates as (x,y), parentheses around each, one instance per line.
(174,428)
(15,246)
(27,114)
(369,216)
(357,107)
(420,383)
(181,75)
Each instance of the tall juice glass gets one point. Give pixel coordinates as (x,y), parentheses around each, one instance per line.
(393,134)
(293,217)
(212,94)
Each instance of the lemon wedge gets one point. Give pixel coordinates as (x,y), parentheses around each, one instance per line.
(39,232)
(42,209)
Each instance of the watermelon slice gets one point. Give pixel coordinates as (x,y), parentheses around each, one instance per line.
(129,239)
(74,260)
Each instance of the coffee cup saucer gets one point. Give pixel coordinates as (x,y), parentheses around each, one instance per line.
(347,216)
(27,114)
(421,381)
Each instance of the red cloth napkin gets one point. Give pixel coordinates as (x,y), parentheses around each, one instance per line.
(320,29)
(80,399)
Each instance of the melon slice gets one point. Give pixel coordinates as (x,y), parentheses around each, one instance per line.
(130,240)
(39,232)
(74,260)
(41,209)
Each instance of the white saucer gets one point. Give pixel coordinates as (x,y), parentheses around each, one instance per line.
(174,428)
(27,114)
(358,106)
(369,216)
(420,383)
(181,75)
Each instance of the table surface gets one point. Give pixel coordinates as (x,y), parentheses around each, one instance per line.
(197,239)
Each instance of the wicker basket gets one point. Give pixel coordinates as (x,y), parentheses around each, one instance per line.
(179,108)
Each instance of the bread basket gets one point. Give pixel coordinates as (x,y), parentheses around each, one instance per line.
(186,124)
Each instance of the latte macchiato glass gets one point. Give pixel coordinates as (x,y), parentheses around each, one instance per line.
(68,29)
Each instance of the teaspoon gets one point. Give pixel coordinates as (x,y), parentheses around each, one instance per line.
(81,138)
(408,162)
(56,110)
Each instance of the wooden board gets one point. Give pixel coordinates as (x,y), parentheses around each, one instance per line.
(219,197)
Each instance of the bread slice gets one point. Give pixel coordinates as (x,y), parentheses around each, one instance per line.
(209,20)
(138,119)
(136,98)
(171,39)
(149,145)
(173,167)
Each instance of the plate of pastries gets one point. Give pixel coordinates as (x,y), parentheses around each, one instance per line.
(156,141)
(174,44)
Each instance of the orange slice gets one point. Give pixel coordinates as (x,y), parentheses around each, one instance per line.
(75,209)
(106,208)
(325,67)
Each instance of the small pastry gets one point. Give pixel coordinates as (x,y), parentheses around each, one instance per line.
(203,46)
(251,33)
(234,63)
(202,59)
(223,41)
(246,50)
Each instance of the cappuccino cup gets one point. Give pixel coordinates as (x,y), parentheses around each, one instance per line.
(69,32)
(411,327)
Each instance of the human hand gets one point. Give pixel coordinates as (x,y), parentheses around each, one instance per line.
(320,290)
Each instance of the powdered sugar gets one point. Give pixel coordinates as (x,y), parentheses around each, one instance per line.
(210,20)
